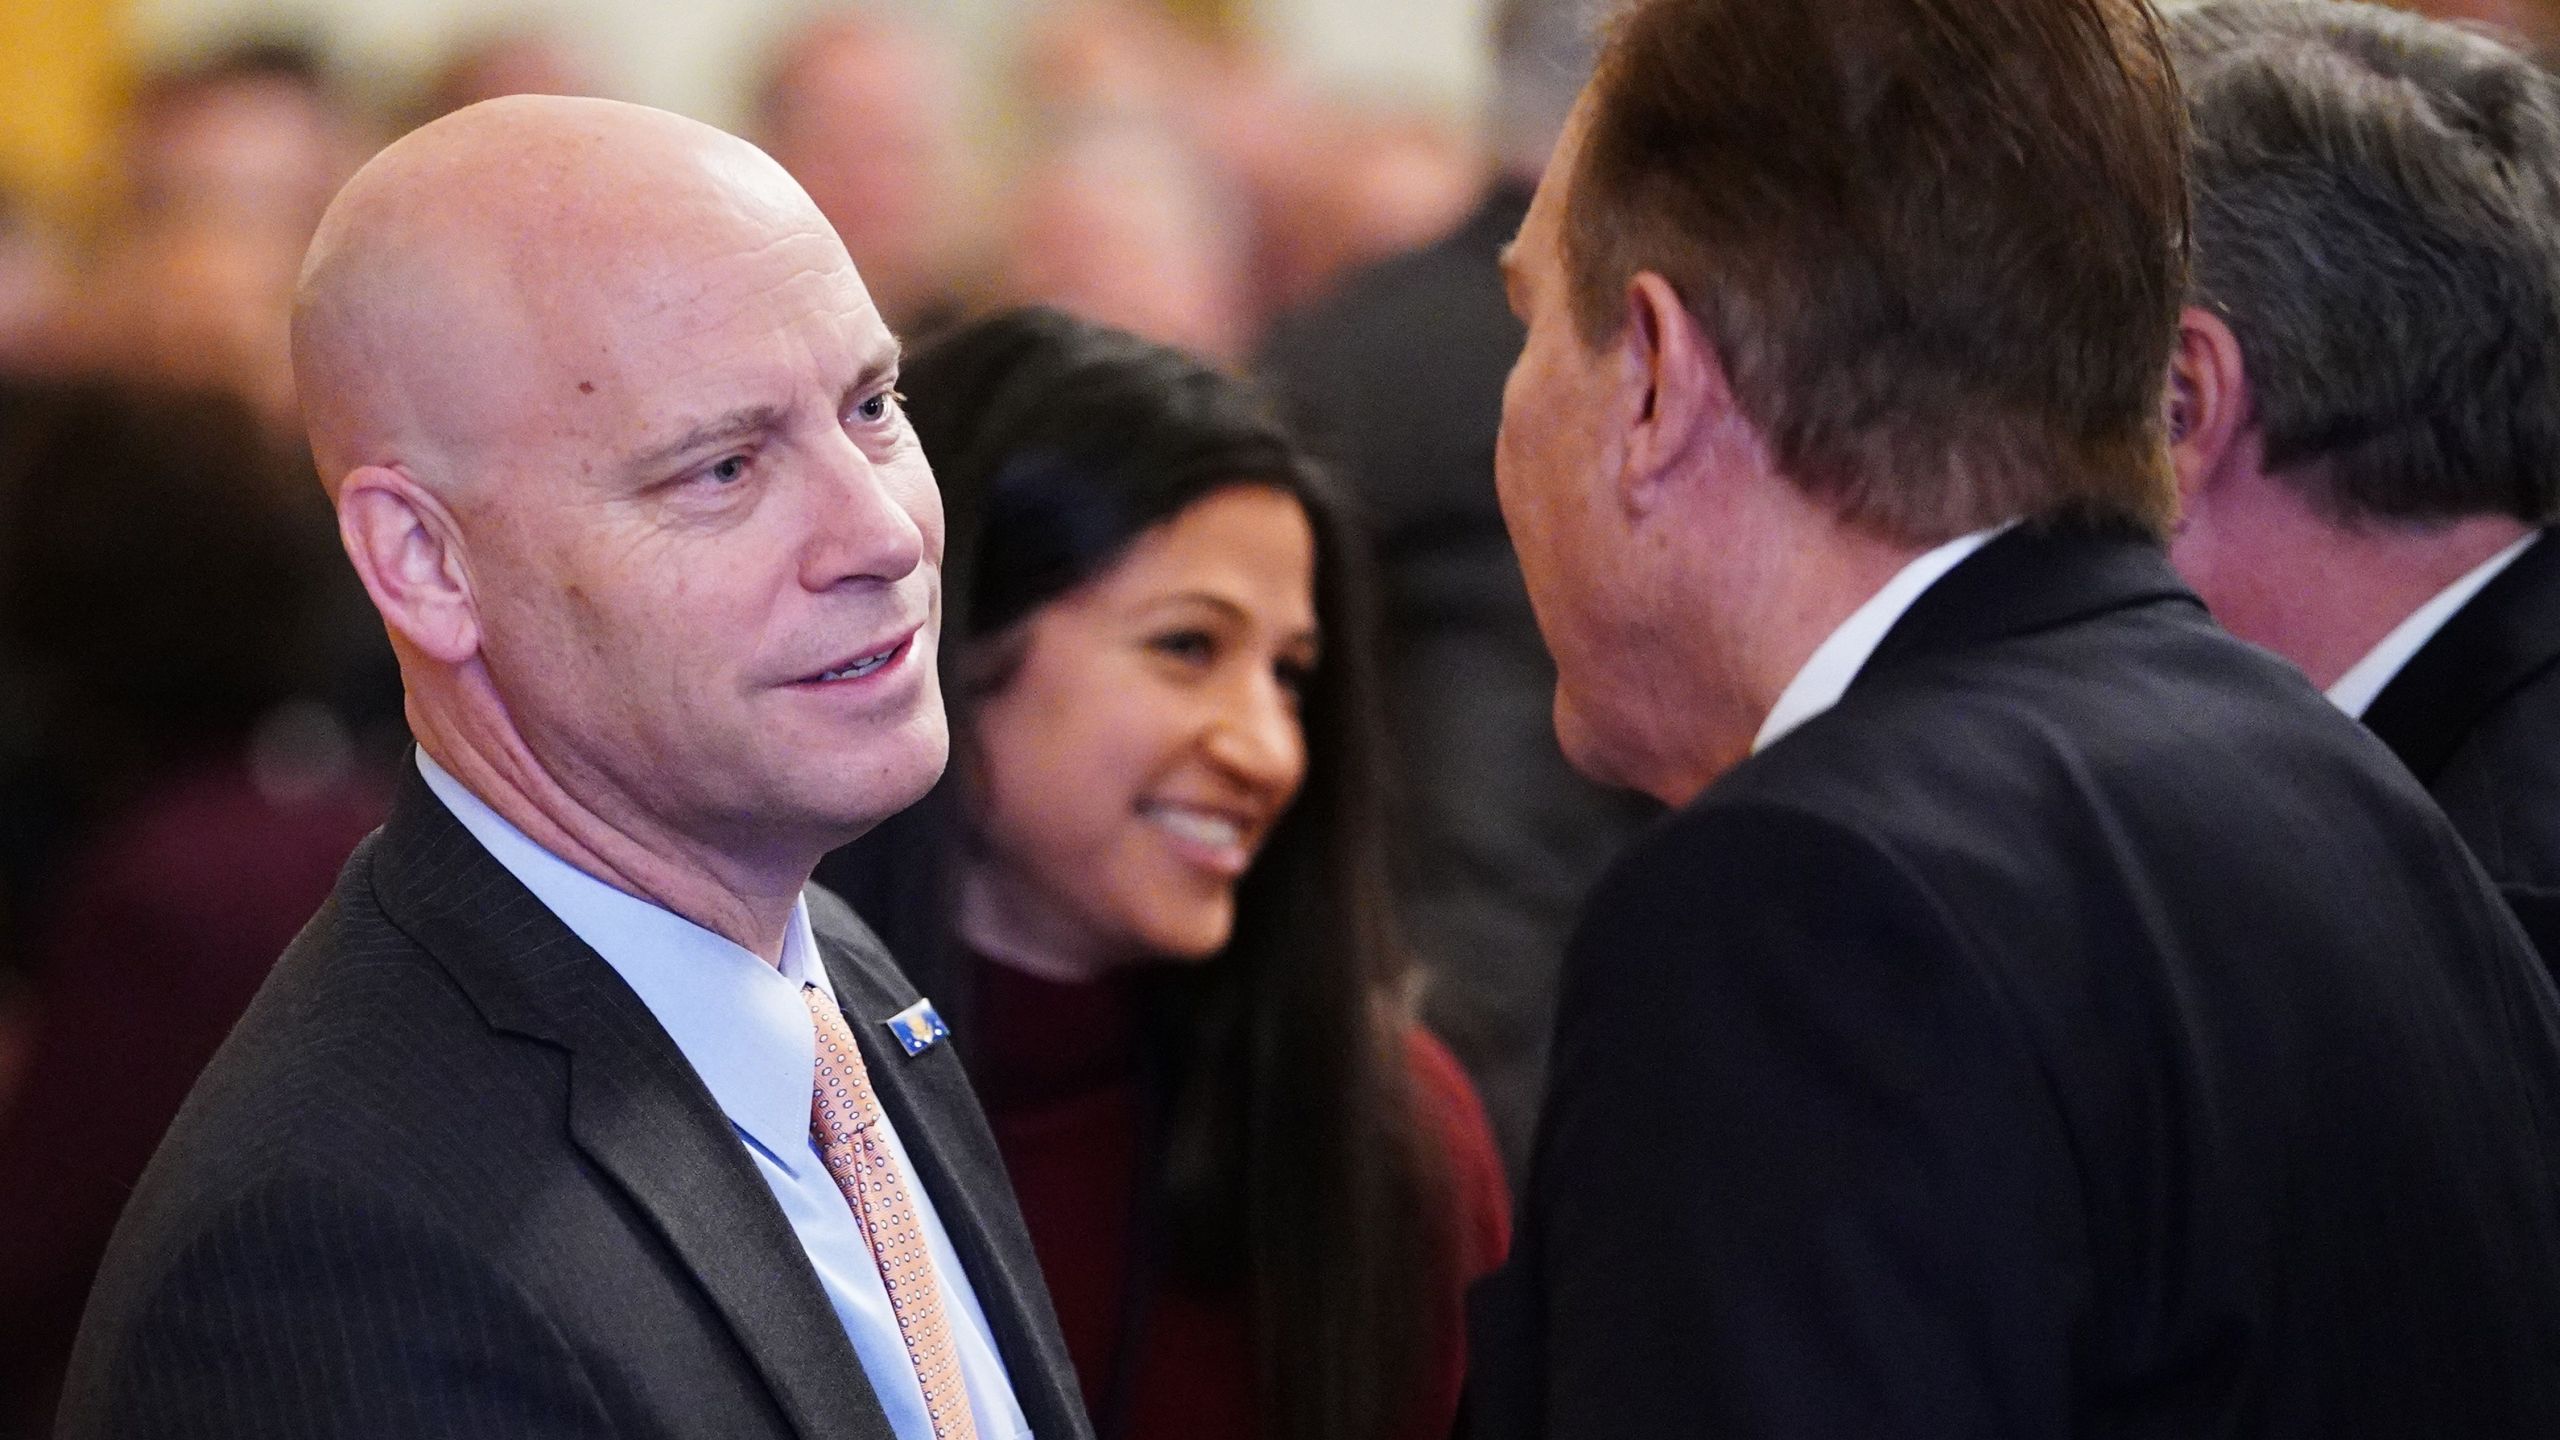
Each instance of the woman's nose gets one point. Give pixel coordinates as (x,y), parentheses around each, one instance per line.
(1257,734)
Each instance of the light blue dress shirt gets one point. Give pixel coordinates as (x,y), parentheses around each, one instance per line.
(741,1024)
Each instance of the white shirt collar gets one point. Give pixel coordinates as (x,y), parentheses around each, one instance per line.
(739,1021)
(1836,661)
(2355,691)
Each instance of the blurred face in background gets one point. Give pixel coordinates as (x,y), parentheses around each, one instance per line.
(228,174)
(1122,225)
(34,282)
(863,114)
(252,149)
(1142,741)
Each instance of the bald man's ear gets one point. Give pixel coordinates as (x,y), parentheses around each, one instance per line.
(408,551)
(2209,402)
(1672,385)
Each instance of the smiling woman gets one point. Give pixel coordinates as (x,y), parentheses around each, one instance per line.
(1150,894)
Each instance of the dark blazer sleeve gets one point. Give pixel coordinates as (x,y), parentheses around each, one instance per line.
(316,1307)
(1800,1176)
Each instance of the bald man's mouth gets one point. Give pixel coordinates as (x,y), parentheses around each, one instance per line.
(872,663)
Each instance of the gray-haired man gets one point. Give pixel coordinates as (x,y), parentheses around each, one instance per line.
(2367,413)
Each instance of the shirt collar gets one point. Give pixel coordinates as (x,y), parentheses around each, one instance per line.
(2354,691)
(739,1021)
(1827,672)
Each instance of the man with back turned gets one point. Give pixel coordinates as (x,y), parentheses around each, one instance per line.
(2045,1015)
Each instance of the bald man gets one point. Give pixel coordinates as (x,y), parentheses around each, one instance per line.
(575,1112)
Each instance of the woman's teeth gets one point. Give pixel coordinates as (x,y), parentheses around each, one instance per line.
(1195,826)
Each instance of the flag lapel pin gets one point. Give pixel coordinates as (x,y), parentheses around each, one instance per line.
(917,1027)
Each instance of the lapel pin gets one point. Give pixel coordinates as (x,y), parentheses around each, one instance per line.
(917,1027)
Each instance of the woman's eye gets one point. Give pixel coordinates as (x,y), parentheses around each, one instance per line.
(1295,676)
(1193,645)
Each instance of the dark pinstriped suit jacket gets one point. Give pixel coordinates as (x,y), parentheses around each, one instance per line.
(449,1178)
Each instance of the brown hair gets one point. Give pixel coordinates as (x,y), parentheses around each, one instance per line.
(1938,245)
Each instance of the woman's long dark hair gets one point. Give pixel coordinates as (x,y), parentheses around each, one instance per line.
(1293,1165)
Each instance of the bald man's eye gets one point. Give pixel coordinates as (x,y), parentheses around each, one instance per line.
(876,408)
(727,472)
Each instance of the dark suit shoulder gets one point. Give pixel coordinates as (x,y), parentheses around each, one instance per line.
(359,1057)
(2501,784)
(297,1306)
(2476,715)
(359,1049)
(448,1150)
(2047,763)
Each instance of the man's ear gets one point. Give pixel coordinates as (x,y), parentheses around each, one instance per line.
(1673,385)
(408,552)
(2208,401)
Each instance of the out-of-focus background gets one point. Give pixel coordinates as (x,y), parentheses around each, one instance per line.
(1252,148)
(198,714)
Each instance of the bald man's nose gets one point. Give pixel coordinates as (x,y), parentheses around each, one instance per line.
(861,526)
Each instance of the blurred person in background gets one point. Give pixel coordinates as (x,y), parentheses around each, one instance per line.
(35,283)
(1085,60)
(2367,393)
(227,163)
(1370,182)
(1307,186)
(507,62)
(1330,183)
(866,112)
(1120,221)
(1151,889)
(177,801)
(250,134)
(1398,378)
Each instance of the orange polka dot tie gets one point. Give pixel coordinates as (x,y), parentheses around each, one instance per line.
(845,1121)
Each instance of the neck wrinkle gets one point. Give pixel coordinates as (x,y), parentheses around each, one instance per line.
(491,760)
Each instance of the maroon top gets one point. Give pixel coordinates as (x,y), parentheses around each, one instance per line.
(1060,1086)
(164,927)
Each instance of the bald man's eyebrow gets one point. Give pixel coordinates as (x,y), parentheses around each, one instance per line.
(879,367)
(743,423)
(876,370)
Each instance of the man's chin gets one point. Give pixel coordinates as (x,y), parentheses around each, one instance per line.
(884,777)
(1586,747)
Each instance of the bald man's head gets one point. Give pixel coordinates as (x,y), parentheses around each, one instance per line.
(468,255)
(611,426)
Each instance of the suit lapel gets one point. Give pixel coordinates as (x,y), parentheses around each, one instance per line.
(635,1106)
(929,1101)
(647,1121)
(2506,635)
